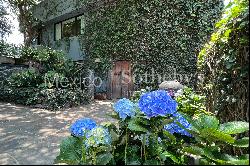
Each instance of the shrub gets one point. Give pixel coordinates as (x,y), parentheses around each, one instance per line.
(190,102)
(41,83)
(20,95)
(167,138)
(224,61)
(25,78)
(9,50)
(58,98)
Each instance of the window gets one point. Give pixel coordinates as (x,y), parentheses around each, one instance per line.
(58,31)
(69,28)
(82,25)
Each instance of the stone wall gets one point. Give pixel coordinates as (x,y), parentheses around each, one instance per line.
(6,60)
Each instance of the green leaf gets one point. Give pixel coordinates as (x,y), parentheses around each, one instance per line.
(234,127)
(103,159)
(244,142)
(167,121)
(166,154)
(170,136)
(242,160)
(206,121)
(113,115)
(215,135)
(193,150)
(133,126)
(70,151)
(114,135)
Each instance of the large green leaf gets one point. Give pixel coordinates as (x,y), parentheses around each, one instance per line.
(134,126)
(244,142)
(213,154)
(206,121)
(103,159)
(215,135)
(70,151)
(234,127)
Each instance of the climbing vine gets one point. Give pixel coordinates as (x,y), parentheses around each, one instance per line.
(224,61)
(159,35)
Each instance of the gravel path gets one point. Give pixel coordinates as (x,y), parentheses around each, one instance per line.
(32,136)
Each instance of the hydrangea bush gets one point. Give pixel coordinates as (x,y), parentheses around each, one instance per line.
(98,136)
(125,108)
(151,130)
(175,128)
(157,103)
(81,125)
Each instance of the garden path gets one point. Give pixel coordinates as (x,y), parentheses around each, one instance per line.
(32,136)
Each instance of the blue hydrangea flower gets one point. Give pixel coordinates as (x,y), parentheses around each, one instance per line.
(78,128)
(175,128)
(157,103)
(125,108)
(98,136)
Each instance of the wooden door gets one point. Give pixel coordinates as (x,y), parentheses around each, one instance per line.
(121,80)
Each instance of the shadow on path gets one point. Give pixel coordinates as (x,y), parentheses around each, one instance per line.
(32,136)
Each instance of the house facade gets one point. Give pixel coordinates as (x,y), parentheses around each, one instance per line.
(63,23)
(160,38)
(63,27)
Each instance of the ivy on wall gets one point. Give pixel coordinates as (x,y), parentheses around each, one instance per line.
(152,34)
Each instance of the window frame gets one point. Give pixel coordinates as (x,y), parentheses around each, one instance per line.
(74,30)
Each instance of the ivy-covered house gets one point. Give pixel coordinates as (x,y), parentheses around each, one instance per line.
(130,44)
(62,24)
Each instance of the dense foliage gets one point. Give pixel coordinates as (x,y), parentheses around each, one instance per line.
(5,24)
(9,50)
(51,82)
(170,137)
(190,102)
(153,34)
(224,61)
